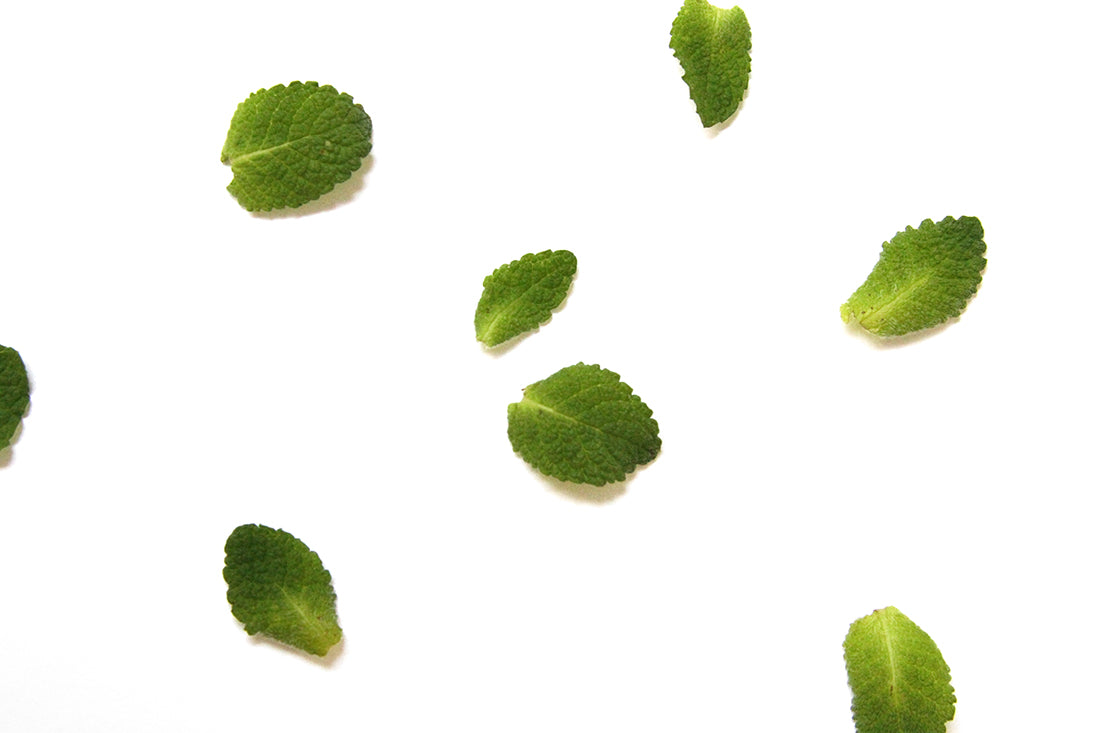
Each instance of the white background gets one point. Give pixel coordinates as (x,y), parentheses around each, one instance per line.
(195,367)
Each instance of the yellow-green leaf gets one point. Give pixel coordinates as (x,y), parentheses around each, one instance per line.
(899,681)
(713,47)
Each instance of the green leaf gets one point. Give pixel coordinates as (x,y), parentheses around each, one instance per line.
(713,47)
(899,681)
(15,393)
(583,425)
(923,277)
(521,295)
(289,145)
(279,588)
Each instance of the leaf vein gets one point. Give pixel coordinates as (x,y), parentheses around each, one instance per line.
(513,304)
(243,157)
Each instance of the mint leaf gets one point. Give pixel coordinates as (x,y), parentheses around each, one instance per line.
(583,425)
(15,393)
(713,47)
(923,277)
(899,681)
(289,145)
(278,587)
(521,295)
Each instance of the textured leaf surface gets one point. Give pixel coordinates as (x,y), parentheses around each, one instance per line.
(278,587)
(924,276)
(521,295)
(15,393)
(899,681)
(288,145)
(582,424)
(713,47)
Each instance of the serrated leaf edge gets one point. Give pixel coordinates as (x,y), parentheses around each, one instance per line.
(691,89)
(879,616)
(625,470)
(241,159)
(510,306)
(848,313)
(314,627)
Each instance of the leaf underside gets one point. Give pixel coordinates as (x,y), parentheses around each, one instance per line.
(900,682)
(278,587)
(713,47)
(923,277)
(15,393)
(289,145)
(583,425)
(520,296)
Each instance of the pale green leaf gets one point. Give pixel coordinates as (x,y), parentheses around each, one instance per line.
(582,424)
(521,295)
(713,47)
(899,681)
(288,145)
(15,393)
(278,587)
(923,277)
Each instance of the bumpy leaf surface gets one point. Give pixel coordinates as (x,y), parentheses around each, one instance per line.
(521,295)
(288,145)
(15,393)
(278,587)
(582,424)
(923,277)
(713,47)
(899,681)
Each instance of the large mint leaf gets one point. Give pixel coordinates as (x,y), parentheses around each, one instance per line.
(713,47)
(521,295)
(899,681)
(289,145)
(278,587)
(582,424)
(923,277)
(15,393)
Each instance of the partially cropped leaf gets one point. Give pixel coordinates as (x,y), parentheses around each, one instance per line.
(713,47)
(289,145)
(521,295)
(15,393)
(278,587)
(899,681)
(582,424)
(924,276)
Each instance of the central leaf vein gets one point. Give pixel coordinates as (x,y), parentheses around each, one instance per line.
(262,151)
(308,617)
(511,306)
(899,298)
(894,694)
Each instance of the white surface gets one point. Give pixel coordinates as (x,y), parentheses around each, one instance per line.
(196,367)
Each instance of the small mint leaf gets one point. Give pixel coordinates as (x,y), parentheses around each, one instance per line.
(713,47)
(278,587)
(520,296)
(899,681)
(582,424)
(923,277)
(15,393)
(289,145)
